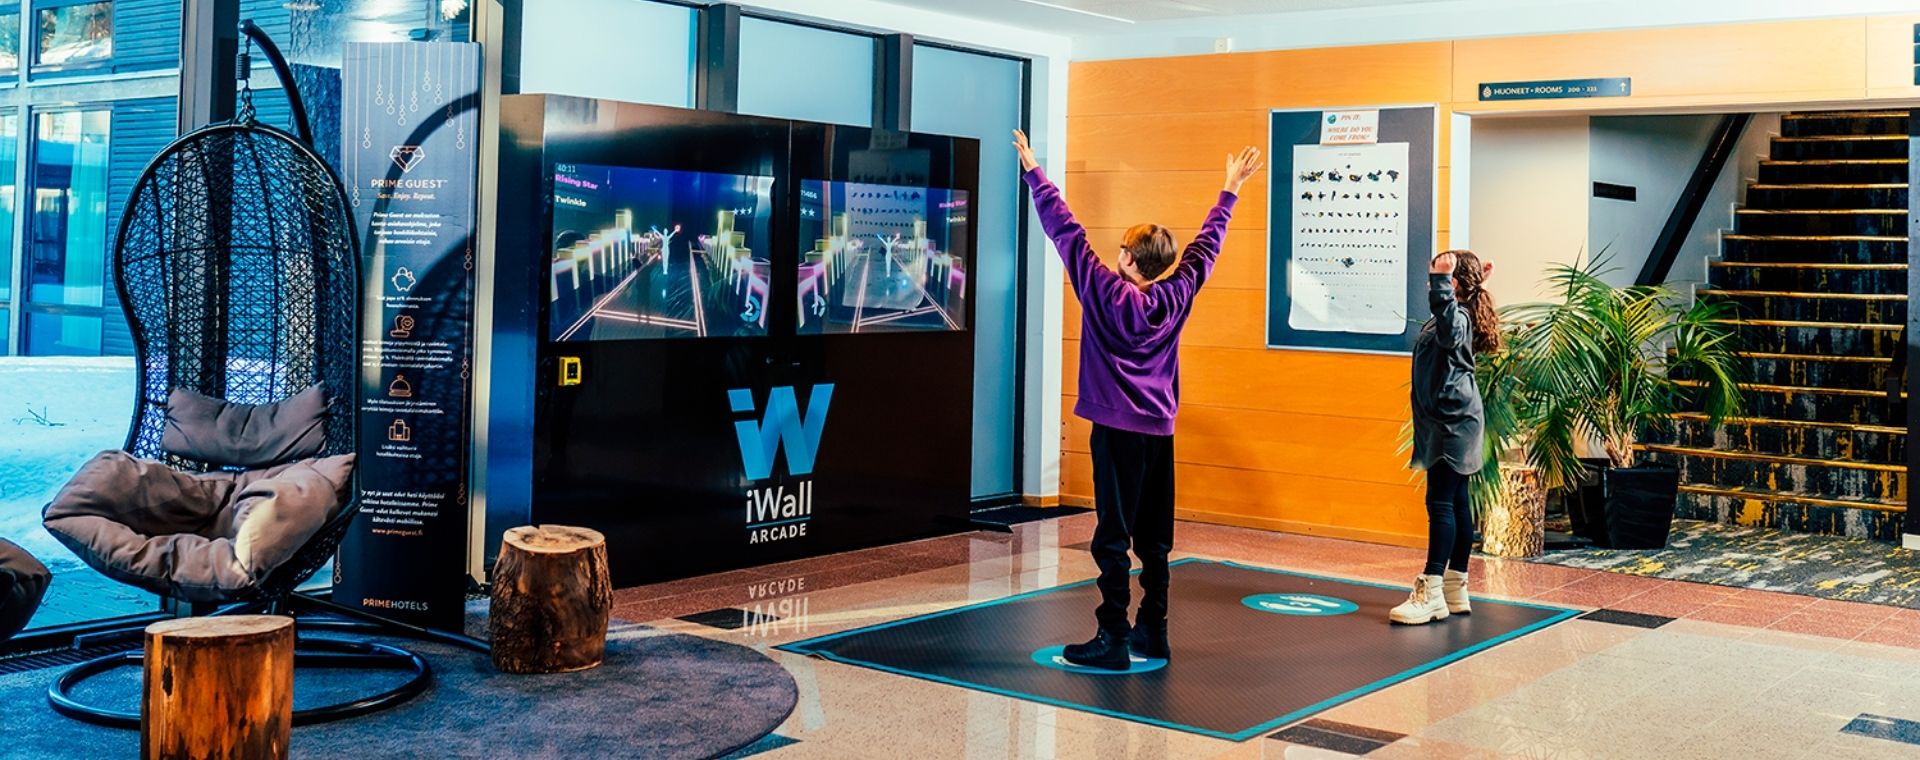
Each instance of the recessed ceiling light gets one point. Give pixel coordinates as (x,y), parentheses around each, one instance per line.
(1076,10)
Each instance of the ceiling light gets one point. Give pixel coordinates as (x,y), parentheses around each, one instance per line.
(1076,10)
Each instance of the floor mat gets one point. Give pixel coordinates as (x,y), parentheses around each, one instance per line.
(1020,514)
(1829,567)
(1253,648)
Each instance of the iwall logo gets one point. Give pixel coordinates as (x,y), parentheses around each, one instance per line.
(780,509)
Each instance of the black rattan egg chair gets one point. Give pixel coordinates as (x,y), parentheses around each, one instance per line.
(238,268)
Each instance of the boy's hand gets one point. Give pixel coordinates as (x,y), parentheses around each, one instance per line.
(1242,167)
(1027,163)
(1442,264)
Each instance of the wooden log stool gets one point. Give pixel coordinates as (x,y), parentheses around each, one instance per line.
(217,687)
(551,600)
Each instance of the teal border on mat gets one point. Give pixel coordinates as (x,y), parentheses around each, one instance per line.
(809,647)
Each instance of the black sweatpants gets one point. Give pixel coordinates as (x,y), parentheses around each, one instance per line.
(23,580)
(1449,520)
(1133,499)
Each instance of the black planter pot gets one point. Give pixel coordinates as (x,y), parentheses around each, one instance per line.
(1639,506)
(1587,505)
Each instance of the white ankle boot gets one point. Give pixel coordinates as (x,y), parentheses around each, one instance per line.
(1425,605)
(1453,587)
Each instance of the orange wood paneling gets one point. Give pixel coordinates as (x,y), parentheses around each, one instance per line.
(1358,76)
(1710,64)
(1170,198)
(1160,142)
(1890,56)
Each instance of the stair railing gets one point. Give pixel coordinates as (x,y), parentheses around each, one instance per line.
(1686,209)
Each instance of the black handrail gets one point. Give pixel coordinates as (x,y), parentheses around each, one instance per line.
(1673,236)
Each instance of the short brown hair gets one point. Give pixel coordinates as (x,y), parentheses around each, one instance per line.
(1152,249)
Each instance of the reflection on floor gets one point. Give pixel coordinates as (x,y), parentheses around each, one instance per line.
(1666,669)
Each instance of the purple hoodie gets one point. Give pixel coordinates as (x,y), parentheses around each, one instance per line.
(1129,339)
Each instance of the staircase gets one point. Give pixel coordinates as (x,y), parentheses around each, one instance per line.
(1817,268)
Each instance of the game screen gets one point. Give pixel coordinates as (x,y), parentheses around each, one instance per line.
(655,253)
(881,258)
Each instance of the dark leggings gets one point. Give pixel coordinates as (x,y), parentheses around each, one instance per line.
(1449,520)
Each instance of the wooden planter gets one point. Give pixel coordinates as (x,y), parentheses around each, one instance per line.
(1515,524)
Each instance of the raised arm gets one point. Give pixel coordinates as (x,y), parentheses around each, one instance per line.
(1196,263)
(1449,320)
(1069,238)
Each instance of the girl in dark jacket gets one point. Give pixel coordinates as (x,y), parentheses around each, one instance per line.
(1447,422)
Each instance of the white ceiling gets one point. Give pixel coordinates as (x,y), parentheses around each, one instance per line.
(1146,28)
(1093,17)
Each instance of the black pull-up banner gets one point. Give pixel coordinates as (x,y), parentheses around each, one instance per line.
(409,121)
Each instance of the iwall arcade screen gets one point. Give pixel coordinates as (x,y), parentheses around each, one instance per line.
(881,258)
(656,253)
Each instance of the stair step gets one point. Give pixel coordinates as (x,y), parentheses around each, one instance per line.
(1839,147)
(1867,308)
(1825,441)
(1816,371)
(1871,222)
(1844,123)
(1862,406)
(1851,481)
(1808,277)
(1783,337)
(1868,170)
(1761,494)
(1828,196)
(1817,250)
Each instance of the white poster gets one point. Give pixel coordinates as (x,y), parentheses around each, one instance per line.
(1348,272)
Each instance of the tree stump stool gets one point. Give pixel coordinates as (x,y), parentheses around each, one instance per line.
(551,600)
(217,687)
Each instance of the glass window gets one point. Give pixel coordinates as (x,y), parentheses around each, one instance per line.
(979,96)
(67,240)
(72,34)
(10,40)
(799,72)
(9,152)
(659,71)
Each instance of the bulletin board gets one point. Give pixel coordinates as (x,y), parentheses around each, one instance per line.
(1350,227)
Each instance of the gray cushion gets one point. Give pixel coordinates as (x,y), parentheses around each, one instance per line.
(225,434)
(206,537)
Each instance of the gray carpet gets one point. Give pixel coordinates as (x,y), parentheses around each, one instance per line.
(658,695)
(1829,567)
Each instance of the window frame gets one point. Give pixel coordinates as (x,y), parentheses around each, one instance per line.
(32,61)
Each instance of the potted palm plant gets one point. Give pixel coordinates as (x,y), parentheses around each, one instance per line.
(1509,496)
(1602,364)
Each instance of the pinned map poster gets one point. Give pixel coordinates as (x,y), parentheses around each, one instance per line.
(1348,271)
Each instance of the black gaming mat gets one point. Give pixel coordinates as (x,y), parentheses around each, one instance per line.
(1253,648)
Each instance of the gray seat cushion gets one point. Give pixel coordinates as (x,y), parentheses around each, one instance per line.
(200,537)
(226,434)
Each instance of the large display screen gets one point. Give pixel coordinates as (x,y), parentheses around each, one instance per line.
(881,258)
(657,253)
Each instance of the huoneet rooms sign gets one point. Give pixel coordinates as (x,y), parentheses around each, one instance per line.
(1609,87)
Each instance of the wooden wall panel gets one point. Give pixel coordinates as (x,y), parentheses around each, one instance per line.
(1160,142)
(1354,76)
(1758,62)
(1123,199)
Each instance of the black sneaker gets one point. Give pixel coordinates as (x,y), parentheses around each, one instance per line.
(1150,641)
(1106,650)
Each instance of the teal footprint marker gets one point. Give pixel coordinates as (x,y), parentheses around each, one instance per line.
(1051,657)
(1305,605)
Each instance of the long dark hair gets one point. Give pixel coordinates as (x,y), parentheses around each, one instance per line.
(1470,275)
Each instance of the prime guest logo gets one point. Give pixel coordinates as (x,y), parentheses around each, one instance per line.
(407,156)
(780,510)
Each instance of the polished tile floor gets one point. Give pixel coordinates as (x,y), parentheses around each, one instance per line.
(1663,669)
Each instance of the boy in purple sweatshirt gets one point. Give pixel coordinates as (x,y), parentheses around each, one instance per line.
(1130,390)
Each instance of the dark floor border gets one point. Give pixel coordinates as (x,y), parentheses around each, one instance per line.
(809,647)
(1335,736)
